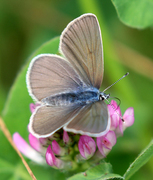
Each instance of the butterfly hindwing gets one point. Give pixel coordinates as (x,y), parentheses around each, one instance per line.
(92,120)
(46,120)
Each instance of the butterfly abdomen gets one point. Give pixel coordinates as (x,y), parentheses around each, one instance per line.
(74,98)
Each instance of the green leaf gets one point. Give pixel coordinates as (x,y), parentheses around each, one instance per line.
(10,170)
(135,13)
(101,171)
(139,161)
(6,169)
(46,172)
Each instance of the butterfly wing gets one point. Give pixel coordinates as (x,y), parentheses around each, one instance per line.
(46,120)
(49,75)
(92,120)
(81,44)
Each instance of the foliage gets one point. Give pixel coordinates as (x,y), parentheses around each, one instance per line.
(138,13)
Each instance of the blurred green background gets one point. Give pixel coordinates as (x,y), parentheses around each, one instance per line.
(26,25)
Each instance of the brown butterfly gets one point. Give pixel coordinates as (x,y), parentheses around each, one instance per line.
(67,89)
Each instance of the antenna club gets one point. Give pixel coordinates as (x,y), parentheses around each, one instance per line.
(126,74)
(122,120)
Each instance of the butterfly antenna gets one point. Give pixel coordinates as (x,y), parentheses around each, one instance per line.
(117,81)
(115,109)
(117,99)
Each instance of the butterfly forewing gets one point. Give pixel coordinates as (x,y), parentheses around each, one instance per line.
(81,44)
(92,120)
(49,75)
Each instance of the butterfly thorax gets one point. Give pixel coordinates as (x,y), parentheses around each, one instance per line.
(84,97)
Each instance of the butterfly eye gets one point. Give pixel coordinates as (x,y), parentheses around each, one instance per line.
(101,98)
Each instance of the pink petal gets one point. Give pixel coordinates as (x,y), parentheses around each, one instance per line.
(43,141)
(129,117)
(87,146)
(120,129)
(114,121)
(128,120)
(115,113)
(65,137)
(33,106)
(52,160)
(35,143)
(105,143)
(26,149)
(56,148)
(113,107)
(100,145)
(50,157)
(111,137)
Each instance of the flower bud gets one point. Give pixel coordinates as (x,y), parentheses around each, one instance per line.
(106,142)
(87,146)
(114,114)
(57,149)
(52,160)
(43,141)
(65,137)
(35,143)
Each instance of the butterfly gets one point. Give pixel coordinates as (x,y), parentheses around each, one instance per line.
(67,86)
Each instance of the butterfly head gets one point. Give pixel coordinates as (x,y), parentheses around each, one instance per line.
(103,96)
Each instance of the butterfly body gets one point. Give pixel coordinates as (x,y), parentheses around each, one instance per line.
(83,97)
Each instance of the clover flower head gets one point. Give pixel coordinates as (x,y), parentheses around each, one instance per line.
(60,149)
